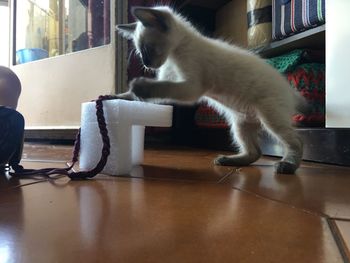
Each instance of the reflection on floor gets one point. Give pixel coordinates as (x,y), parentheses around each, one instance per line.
(176,207)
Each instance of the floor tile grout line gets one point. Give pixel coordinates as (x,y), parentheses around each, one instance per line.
(338,240)
(282,202)
(340,219)
(222,179)
(189,181)
(334,230)
(276,200)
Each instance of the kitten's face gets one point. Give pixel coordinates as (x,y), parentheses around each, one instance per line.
(151,35)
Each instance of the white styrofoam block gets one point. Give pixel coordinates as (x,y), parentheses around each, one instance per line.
(126,121)
(138,138)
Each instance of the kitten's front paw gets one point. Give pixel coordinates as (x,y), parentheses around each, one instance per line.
(127,96)
(236,160)
(140,87)
(221,160)
(285,168)
(229,161)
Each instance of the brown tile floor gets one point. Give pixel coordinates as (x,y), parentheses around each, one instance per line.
(344,232)
(8,182)
(177,207)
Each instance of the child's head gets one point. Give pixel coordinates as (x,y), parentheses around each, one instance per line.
(10,88)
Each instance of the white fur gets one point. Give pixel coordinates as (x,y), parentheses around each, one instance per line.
(238,84)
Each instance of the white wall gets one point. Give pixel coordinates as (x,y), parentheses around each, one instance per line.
(54,88)
(4,35)
(337,64)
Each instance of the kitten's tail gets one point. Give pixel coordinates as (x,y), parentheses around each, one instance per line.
(301,104)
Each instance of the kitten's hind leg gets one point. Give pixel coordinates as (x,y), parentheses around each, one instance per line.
(279,125)
(245,134)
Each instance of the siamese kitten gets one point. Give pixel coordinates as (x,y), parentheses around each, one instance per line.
(190,67)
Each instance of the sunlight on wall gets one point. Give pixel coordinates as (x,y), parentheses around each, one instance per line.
(4,253)
(4,33)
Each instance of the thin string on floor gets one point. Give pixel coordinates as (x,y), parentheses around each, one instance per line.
(20,171)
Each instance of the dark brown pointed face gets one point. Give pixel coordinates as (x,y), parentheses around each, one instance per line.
(147,55)
(150,35)
(153,18)
(153,48)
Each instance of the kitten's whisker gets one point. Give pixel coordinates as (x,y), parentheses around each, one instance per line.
(132,52)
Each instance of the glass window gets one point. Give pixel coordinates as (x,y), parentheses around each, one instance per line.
(48,28)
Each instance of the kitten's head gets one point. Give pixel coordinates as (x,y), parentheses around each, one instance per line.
(152,34)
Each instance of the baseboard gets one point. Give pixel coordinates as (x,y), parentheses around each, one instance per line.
(322,145)
(331,146)
(50,134)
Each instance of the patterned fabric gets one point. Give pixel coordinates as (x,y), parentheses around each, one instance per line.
(309,81)
(293,16)
(207,117)
(287,62)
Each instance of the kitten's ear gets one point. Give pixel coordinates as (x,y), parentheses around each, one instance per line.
(127,30)
(151,17)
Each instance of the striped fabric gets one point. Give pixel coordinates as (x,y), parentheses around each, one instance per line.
(293,16)
(206,117)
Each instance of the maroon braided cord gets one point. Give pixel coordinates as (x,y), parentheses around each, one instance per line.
(20,171)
